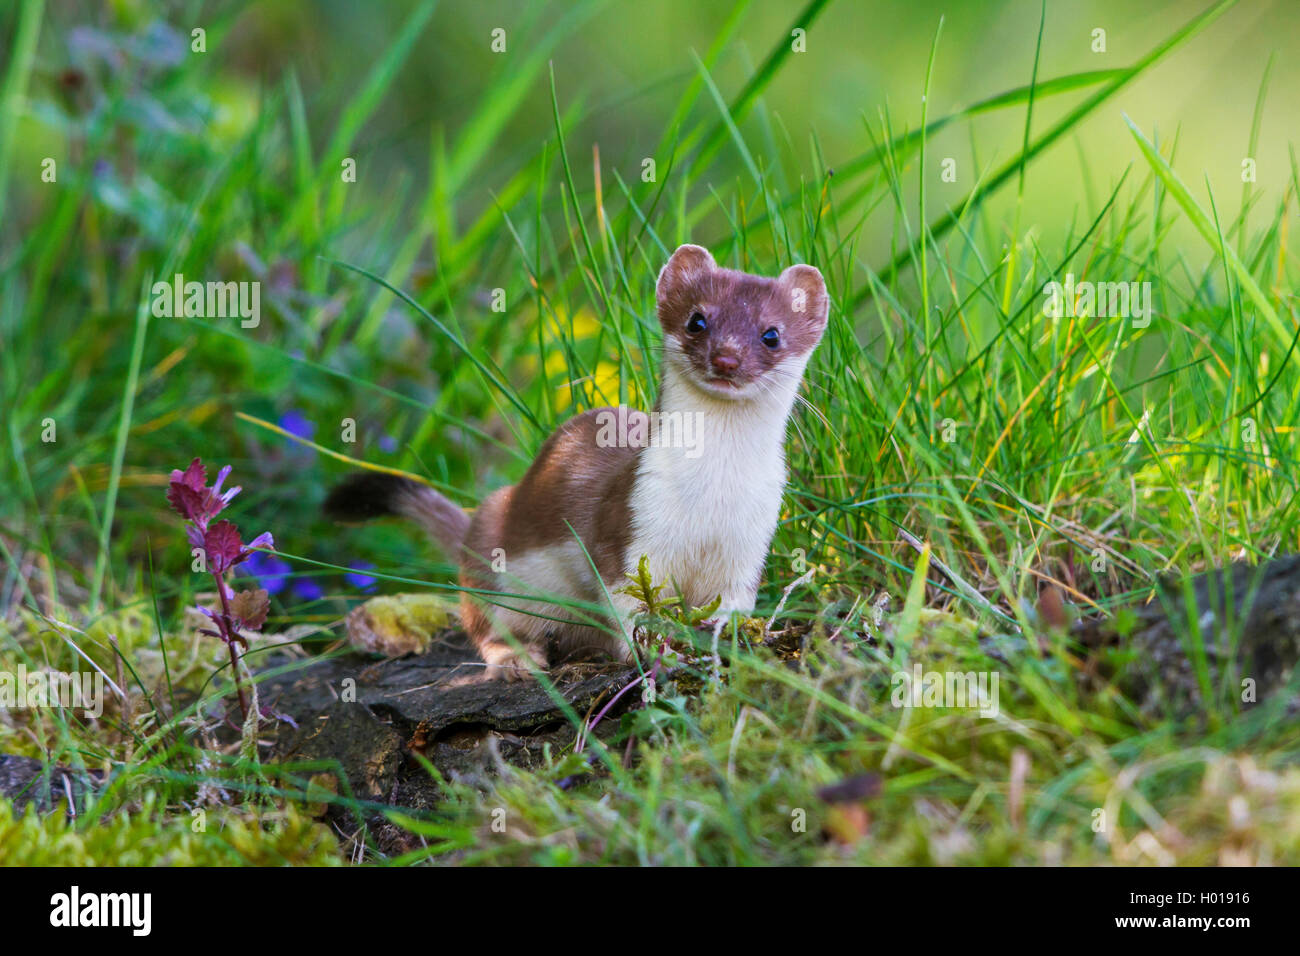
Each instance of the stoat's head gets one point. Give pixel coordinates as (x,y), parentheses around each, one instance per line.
(738,336)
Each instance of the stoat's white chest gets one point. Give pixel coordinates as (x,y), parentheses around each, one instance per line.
(705,515)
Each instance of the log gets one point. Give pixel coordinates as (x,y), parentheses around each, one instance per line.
(1249,620)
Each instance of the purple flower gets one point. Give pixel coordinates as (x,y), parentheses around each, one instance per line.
(305,589)
(387,443)
(297,424)
(188,494)
(225,497)
(362,582)
(271,572)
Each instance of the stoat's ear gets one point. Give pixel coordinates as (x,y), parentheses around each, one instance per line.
(805,293)
(686,267)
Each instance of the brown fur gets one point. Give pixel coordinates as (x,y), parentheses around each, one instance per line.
(573,490)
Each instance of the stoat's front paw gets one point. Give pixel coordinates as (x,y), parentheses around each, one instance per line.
(504,663)
(621,650)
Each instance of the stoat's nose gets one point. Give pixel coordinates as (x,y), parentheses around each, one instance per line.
(724,363)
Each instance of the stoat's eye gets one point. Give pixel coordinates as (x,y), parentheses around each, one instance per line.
(696,324)
(771,338)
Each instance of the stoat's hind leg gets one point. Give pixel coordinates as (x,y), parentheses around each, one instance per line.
(488,624)
(505,661)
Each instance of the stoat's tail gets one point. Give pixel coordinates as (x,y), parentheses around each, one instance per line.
(374,494)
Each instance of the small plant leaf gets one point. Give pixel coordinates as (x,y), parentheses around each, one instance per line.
(251,607)
(696,615)
(188,503)
(195,477)
(223,546)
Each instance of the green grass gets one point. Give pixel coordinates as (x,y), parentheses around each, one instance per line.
(375,308)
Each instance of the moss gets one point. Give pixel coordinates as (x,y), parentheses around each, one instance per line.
(397,624)
(150,837)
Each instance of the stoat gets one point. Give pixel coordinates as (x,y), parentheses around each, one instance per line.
(695,486)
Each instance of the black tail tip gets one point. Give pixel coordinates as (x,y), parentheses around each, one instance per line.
(366,495)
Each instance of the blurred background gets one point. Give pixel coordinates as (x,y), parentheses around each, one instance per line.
(624,65)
